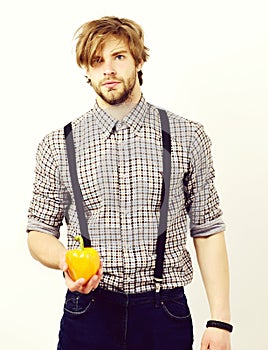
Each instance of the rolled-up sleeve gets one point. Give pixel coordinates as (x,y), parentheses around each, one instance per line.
(46,212)
(202,200)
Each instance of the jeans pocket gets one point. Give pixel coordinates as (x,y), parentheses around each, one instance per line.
(77,303)
(176,309)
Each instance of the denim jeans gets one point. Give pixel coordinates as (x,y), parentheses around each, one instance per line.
(104,320)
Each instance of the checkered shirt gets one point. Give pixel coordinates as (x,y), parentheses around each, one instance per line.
(119,167)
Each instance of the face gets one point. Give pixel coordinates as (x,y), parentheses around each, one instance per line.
(113,74)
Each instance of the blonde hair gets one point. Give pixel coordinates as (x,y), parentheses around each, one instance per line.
(92,35)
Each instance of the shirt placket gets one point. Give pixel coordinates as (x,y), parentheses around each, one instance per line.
(125,201)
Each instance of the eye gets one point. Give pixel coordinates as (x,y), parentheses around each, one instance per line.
(97,60)
(119,57)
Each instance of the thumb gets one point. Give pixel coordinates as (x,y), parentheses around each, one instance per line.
(63,265)
(204,343)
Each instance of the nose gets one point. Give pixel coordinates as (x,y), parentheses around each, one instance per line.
(109,69)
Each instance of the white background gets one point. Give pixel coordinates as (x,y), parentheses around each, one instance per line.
(208,63)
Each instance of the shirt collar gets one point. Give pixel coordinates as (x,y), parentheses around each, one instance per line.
(134,119)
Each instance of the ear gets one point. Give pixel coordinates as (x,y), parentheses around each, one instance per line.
(87,76)
(86,73)
(140,65)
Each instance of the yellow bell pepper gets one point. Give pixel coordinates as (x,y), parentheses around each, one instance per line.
(83,262)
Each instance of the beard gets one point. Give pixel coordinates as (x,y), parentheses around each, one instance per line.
(114,97)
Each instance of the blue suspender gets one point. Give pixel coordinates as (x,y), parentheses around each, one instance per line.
(75,184)
(162,228)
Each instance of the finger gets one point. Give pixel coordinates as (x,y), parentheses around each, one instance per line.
(95,281)
(74,285)
(76,288)
(100,273)
(91,284)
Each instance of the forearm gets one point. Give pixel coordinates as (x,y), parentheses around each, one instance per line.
(46,249)
(213,262)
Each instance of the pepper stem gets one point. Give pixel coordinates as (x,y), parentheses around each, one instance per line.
(80,240)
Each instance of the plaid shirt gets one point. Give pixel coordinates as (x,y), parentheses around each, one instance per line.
(119,167)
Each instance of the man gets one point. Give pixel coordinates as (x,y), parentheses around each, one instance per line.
(120,170)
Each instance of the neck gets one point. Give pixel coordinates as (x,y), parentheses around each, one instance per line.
(119,111)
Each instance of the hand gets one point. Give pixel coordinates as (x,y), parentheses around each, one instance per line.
(215,339)
(80,285)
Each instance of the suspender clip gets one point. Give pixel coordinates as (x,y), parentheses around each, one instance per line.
(158,282)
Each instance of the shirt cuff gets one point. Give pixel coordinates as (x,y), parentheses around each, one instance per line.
(208,228)
(34,225)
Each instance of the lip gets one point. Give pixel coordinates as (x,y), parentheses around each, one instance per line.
(110,84)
